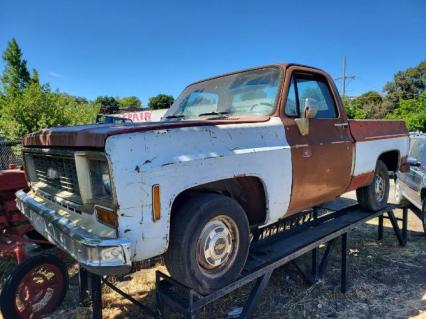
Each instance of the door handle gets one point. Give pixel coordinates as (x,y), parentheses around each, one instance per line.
(344,125)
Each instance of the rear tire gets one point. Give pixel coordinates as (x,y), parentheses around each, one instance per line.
(375,196)
(209,242)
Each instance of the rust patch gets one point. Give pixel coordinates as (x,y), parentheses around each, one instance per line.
(137,169)
(370,130)
(360,181)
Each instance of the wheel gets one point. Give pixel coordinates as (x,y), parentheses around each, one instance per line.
(209,242)
(399,198)
(35,288)
(375,196)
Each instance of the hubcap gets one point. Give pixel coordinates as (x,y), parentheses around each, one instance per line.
(217,245)
(379,187)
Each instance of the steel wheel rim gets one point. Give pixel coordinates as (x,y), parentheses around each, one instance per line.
(39,291)
(217,246)
(379,187)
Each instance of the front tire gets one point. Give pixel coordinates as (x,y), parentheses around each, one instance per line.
(375,196)
(209,242)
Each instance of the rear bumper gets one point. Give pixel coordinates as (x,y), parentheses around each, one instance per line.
(103,256)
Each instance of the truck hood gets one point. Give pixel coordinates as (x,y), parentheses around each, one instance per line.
(95,135)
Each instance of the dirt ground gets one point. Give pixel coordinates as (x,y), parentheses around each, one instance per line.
(385,281)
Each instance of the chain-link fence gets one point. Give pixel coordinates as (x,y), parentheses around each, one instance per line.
(10,153)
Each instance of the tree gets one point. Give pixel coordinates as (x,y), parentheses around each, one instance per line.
(407,84)
(15,75)
(413,111)
(160,101)
(129,101)
(108,103)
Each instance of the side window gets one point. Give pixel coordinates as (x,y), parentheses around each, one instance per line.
(291,103)
(315,87)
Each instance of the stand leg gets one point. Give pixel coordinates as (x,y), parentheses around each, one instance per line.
(96,296)
(325,258)
(396,228)
(255,294)
(405,224)
(380,228)
(84,297)
(343,274)
(315,264)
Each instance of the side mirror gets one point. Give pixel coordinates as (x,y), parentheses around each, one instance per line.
(411,161)
(310,110)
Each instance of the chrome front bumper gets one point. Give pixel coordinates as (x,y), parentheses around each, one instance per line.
(103,256)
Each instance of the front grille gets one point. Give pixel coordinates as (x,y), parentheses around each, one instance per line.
(57,172)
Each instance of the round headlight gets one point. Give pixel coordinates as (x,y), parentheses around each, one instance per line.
(107,183)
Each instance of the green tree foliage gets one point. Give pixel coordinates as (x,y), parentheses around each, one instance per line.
(108,102)
(413,111)
(368,105)
(407,84)
(26,105)
(15,75)
(160,101)
(129,101)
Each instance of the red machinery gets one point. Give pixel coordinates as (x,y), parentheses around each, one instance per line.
(13,225)
(39,282)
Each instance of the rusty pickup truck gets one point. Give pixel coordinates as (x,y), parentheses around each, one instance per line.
(233,154)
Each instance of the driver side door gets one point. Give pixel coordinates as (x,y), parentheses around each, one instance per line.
(322,159)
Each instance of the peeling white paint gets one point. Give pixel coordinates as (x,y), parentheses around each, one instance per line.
(367,153)
(181,158)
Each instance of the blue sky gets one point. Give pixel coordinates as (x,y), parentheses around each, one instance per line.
(121,48)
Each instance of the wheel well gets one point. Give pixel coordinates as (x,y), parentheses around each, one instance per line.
(391,159)
(248,191)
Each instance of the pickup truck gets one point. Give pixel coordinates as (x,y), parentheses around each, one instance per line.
(233,154)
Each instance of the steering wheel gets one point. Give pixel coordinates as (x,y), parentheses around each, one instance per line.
(260,104)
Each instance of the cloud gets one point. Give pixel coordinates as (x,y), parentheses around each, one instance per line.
(54,74)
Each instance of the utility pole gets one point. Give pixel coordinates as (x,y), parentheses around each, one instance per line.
(344,77)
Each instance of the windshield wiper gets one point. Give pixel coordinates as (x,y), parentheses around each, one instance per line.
(213,113)
(175,116)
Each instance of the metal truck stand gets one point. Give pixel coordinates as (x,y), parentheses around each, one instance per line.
(271,247)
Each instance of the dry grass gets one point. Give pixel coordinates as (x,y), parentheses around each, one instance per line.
(385,281)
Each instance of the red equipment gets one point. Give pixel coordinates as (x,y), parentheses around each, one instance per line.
(39,283)
(13,225)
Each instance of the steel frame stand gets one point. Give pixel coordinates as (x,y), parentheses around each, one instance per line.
(267,253)
(401,235)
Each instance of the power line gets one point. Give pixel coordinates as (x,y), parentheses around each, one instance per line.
(344,77)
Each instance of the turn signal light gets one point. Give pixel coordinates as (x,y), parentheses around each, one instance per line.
(156,208)
(106,216)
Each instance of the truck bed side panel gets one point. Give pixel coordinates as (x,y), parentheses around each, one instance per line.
(372,139)
(368,130)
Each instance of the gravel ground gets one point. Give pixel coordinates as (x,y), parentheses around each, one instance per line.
(385,281)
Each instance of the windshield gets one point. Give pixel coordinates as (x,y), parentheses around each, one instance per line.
(251,92)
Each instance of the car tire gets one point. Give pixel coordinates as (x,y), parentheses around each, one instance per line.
(375,196)
(209,242)
(398,197)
